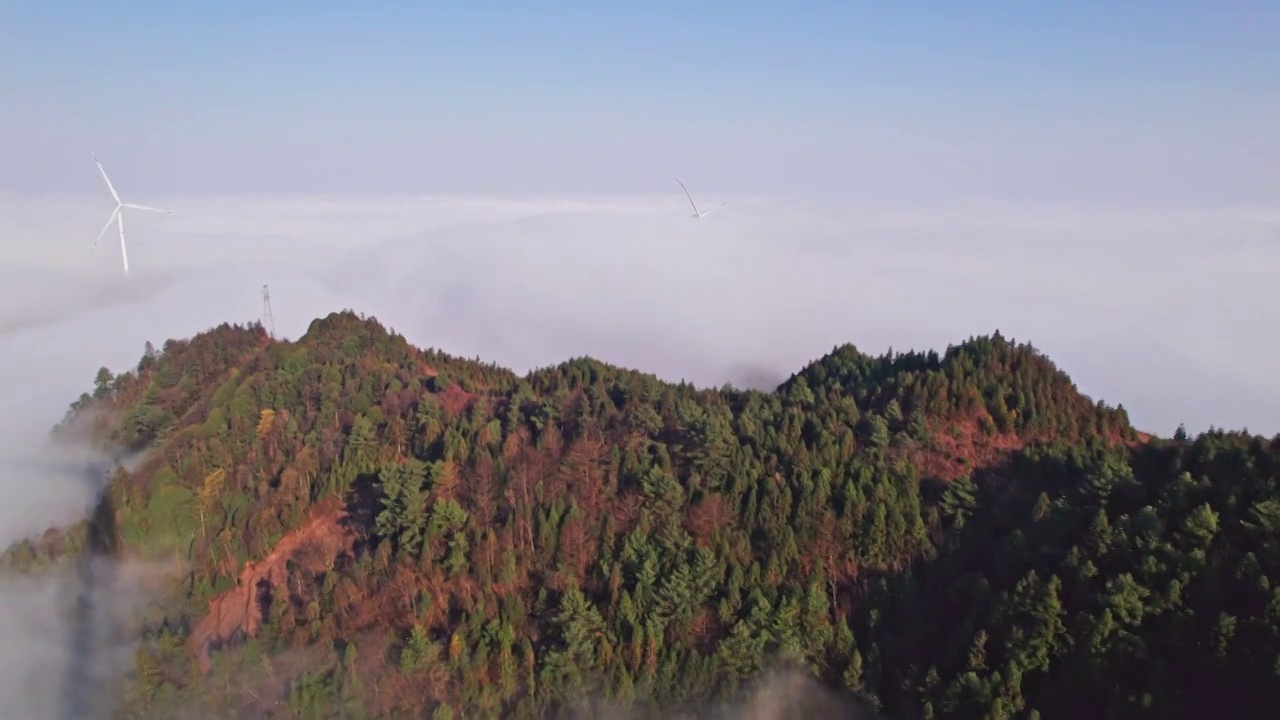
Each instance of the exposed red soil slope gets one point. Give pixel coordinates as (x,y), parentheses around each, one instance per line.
(323,538)
(456,400)
(960,447)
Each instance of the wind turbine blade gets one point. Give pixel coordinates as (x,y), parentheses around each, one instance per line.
(686,194)
(149,209)
(104,177)
(124,253)
(110,220)
(726,202)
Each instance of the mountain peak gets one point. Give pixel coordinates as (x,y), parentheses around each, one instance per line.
(986,395)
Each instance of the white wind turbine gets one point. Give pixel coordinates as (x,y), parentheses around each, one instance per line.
(697,213)
(118,215)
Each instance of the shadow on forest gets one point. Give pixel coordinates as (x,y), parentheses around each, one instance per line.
(1038,514)
(992,528)
(361,506)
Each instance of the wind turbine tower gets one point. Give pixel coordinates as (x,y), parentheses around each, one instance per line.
(118,215)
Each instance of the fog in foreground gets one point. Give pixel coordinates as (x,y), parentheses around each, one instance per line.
(55,664)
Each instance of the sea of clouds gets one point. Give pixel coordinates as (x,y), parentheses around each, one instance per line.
(1169,312)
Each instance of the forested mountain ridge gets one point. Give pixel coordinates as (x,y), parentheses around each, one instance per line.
(981,397)
(395,532)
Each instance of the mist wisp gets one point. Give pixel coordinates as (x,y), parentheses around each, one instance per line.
(94,625)
(783,693)
(68,637)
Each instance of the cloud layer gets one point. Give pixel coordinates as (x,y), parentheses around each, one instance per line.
(1167,312)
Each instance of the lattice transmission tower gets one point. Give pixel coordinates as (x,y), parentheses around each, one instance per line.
(268,321)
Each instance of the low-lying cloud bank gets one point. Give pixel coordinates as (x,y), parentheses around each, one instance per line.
(1168,312)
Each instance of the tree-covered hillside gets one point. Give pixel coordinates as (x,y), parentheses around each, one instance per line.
(371,530)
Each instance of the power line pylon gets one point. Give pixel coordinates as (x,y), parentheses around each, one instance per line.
(267,320)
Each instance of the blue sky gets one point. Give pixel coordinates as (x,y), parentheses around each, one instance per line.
(1148,102)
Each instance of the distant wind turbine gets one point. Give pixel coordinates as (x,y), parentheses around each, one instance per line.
(697,213)
(118,215)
